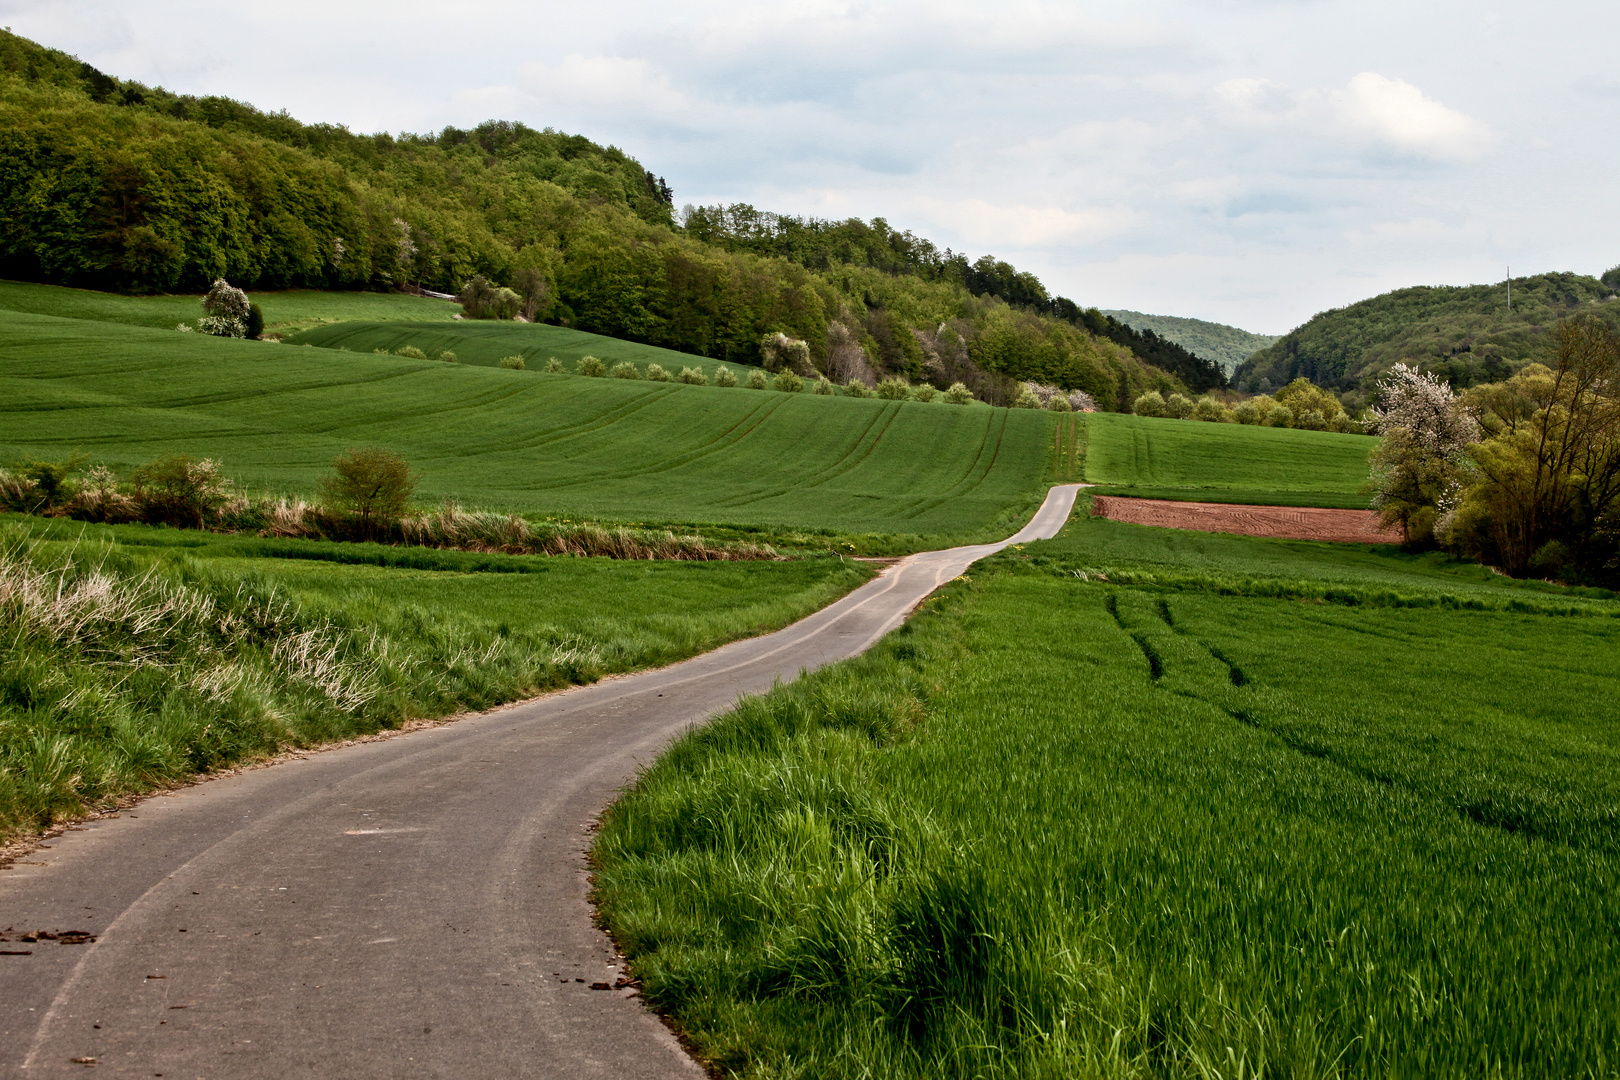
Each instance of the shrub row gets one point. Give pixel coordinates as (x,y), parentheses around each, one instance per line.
(194,494)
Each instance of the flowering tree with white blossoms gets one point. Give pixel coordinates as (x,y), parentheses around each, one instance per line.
(225,311)
(1421,464)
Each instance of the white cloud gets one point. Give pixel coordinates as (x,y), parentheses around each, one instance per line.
(1372,110)
(1399,115)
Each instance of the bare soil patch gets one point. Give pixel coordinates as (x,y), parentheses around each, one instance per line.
(1286,522)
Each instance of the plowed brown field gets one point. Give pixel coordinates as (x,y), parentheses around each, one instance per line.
(1288,522)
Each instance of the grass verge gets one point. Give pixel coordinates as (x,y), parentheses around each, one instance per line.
(136,657)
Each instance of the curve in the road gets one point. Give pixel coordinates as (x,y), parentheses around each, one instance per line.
(413,907)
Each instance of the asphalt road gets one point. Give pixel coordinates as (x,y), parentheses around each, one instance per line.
(408,908)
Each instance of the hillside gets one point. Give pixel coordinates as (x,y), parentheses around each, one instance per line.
(1463,333)
(1226,345)
(110,184)
(275,416)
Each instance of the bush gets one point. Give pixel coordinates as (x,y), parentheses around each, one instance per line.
(554,366)
(179,491)
(822,386)
(693,376)
(448,357)
(225,311)
(1252,412)
(788,381)
(923,392)
(1210,411)
(626,370)
(778,352)
(958,394)
(856,388)
(724,376)
(1149,404)
(592,367)
(1178,406)
(483,299)
(1059,403)
(410,352)
(658,373)
(757,380)
(511,363)
(255,321)
(1279,416)
(1311,420)
(370,484)
(893,388)
(1027,399)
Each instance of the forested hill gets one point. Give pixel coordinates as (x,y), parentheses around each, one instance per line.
(1226,345)
(1464,333)
(572,162)
(825,245)
(113,185)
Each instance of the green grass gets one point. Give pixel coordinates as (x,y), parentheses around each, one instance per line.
(607,449)
(1186,459)
(1237,564)
(283,310)
(1061,827)
(487,343)
(199,651)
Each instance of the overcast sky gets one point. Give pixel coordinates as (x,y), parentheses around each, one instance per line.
(1245,162)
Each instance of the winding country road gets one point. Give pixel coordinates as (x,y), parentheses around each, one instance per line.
(411,907)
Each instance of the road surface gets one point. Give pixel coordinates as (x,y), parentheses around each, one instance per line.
(407,908)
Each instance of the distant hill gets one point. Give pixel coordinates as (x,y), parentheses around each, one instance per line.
(1226,345)
(1464,333)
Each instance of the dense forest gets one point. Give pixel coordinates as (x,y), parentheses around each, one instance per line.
(106,183)
(1226,345)
(1464,334)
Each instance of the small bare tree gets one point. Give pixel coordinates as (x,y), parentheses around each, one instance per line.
(535,290)
(846,358)
(372,484)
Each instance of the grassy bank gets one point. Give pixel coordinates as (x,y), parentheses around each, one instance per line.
(1063,826)
(1192,460)
(486,344)
(139,656)
(285,311)
(524,441)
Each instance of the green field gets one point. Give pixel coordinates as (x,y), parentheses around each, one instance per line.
(276,416)
(1235,463)
(1061,826)
(204,650)
(487,343)
(283,311)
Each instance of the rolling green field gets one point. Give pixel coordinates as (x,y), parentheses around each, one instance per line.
(276,416)
(1062,826)
(283,311)
(1234,463)
(487,343)
(137,656)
